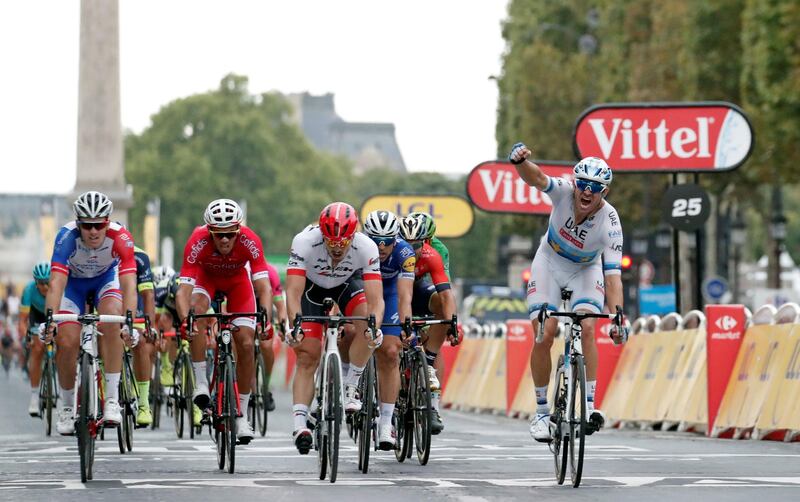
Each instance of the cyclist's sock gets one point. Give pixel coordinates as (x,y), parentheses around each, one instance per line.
(200,372)
(591,386)
(541,400)
(387,410)
(244,400)
(435,395)
(112,385)
(430,357)
(300,413)
(67,397)
(35,391)
(345,370)
(354,375)
(144,393)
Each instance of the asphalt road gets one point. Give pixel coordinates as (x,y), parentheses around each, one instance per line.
(478,457)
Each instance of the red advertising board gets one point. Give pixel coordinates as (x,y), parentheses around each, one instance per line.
(724,333)
(608,356)
(519,343)
(665,137)
(496,187)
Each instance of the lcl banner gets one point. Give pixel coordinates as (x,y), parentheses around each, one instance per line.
(453,214)
(665,137)
(724,333)
(496,187)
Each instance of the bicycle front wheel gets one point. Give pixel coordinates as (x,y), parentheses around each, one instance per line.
(560,444)
(231,413)
(260,396)
(85,414)
(176,395)
(421,403)
(47,399)
(334,413)
(366,415)
(154,396)
(577,420)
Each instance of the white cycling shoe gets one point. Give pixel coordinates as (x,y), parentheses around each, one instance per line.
(387,440)
(434,380)
(201,396)
(66,422)
(244,433)
(351,402)
(112,413)
(540,428)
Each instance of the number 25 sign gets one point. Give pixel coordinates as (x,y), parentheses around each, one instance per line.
(686,207)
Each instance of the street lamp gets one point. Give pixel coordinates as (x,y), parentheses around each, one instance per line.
(777,230)
(738,239)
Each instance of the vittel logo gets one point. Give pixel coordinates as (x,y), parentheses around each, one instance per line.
(506,188)
(496,187)
(644,141)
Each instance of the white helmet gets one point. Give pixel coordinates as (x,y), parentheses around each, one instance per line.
(91,205)
(162,274)
(223,213)
(381,224)
(413,228)
(593,169)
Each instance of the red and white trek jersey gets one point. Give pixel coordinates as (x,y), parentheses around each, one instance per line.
(73,258)
(201,256)
(309,257)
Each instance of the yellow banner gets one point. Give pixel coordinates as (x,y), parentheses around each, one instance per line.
(453,214)
(151,238)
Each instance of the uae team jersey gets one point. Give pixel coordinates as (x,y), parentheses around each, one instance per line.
(200,255)
(585,243)
(73,258)
(310,258)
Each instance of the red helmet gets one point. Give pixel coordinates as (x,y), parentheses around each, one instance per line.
(338,221)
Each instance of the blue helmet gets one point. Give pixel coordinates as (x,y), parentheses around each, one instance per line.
(593,169)
(41,271)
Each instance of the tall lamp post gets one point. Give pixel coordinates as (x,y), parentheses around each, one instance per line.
(738,238)
(777,230)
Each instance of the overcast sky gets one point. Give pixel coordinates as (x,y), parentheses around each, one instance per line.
(423,65)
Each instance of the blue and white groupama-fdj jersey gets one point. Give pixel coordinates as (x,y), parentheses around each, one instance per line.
(598,237)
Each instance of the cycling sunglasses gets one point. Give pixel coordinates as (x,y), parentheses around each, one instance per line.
(416,244)
(341,243)
(594,186)
(225,233)
(43,283)
(383,241)
(97,225)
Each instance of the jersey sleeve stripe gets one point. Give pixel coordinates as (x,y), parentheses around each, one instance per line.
(62,269)
(296,271)
(371,277)
(144,286)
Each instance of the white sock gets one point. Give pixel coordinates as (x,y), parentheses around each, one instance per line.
(591,386)
(244,400)
(300,413)
(112,385)
(200,372)
(435,399)
(541,400)
(345,369)
(387,410)
(67,398)
(354,375)
(35,391)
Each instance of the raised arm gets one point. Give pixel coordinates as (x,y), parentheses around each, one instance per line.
(529,172)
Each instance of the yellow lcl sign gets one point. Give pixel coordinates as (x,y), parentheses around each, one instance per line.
(453,214)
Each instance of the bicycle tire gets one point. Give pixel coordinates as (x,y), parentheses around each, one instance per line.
(559,446)
(131,404)
(188,395)
(577,421)
(154,395)
(322,425)
(47,390)
(84,399)
(404,415)
(366,415)
(220,437)
(259,396)
(230,421)
(177,402)
(334,382)
(421,404)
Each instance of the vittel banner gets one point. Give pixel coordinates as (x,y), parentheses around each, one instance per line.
(496,187)
(665,137)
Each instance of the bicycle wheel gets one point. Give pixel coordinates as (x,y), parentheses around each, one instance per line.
(260,396)
(127,401)
(187,389)
(367,415)
(322,425)
(176,399)
(85,416)
(231,399)
(47,396)
(335,412)
(421,404)
(577,420)
(560,444)
(219,422)
(154,395)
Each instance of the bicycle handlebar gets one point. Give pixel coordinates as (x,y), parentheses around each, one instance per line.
(576,317)
(220,316)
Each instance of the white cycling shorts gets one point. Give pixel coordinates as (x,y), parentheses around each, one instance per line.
(550,273)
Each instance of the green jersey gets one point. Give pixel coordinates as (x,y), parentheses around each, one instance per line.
(442,250)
